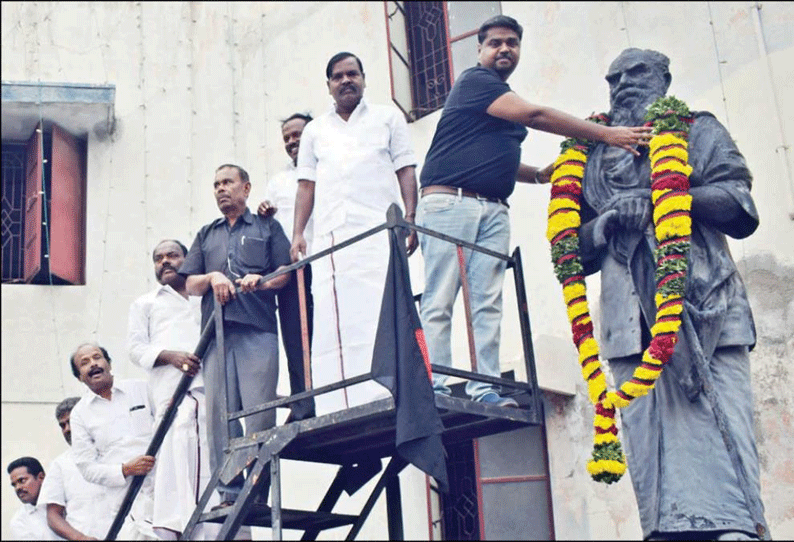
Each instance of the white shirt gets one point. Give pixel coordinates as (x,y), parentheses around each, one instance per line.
(353,164)
(30,523)
(106,434)
(281,191)
(65,486)
(163,320)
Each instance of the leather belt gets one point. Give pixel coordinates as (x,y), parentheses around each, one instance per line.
(443,189)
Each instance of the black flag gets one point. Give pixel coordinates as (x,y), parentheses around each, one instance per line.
(400,363)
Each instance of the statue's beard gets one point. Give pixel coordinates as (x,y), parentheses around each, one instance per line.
(628,116)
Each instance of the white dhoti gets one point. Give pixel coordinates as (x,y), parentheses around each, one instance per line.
(182,467)
(348,290)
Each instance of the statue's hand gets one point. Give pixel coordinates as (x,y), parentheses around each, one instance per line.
(634,211)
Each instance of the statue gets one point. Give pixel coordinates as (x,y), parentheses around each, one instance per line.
(690,442)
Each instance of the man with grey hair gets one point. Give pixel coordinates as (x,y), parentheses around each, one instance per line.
(690,444)
(76,508)
(238,249)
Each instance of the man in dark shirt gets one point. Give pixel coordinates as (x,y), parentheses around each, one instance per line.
(468,174)
(238,249)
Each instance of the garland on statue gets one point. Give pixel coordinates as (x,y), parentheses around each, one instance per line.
(670,170)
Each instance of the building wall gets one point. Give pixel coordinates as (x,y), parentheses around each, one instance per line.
(201,84)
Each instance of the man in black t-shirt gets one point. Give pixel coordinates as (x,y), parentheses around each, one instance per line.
(468,174)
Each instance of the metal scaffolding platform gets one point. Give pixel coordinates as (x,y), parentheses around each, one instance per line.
(355,439)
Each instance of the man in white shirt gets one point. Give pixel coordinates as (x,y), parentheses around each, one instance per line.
(280,198)
(74,505)
(354,161)
(163,331)
(30,521)
(111,430)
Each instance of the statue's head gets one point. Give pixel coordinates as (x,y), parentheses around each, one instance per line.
(637,77)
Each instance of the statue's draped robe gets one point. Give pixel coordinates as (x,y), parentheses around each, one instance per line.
(682,473)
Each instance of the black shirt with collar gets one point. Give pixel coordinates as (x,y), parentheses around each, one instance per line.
(255,244)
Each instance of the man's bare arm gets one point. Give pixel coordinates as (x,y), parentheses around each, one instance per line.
(534,175)
(406,177)
(56,519)
(304,204)
(199,284)
(510,106)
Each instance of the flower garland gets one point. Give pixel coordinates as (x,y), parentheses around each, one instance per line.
(670,172)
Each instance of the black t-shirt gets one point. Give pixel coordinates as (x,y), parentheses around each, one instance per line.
(472,149)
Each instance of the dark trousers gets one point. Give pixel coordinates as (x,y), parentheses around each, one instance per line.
(289,318)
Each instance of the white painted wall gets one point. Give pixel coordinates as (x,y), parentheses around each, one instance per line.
(200,84)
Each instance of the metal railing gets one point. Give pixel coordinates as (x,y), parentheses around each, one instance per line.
(214,327)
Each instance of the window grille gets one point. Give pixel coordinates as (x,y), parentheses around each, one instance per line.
(13,179)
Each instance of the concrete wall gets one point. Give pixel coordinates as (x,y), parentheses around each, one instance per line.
(200,84)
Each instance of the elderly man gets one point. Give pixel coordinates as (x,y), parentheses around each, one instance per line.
(354,161)
(76,508)
(280,198)
(163,331)
(469,172)
(686,487)
(111,429)
(238,248)
(30,521)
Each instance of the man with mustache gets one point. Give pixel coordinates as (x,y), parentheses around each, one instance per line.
(469,172)
(690,443)
(162,333)
(111,430)
(74,505)
(280,198)
(354,162)
(30,521)
(238,249)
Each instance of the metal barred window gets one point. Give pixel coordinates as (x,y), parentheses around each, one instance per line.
(13,176)
(431,43)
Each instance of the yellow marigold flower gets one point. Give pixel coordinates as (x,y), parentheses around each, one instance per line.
(604,438)
(670,326)
(605,465)
(663,140)
(661,299)
(670,310)
(603,422)
(677,226)
(588,348)
(679,151)
(634,389)
(596,386)
(561,222)
(572,291)
(656,194)
(646,374)
(562,203)
(678,167)
(570,154)
(673,203)
(563,170)
(616,401)
(589,368)
(648,358)
(577,309)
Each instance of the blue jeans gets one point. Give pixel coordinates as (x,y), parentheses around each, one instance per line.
(486,224)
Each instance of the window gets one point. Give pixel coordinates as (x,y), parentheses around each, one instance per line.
(431,43)
(44,184)
(44,151)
